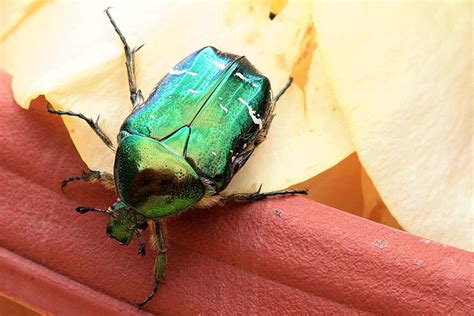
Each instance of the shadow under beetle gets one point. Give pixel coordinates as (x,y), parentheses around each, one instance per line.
(180,148)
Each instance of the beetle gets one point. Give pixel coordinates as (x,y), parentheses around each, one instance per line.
(181,147)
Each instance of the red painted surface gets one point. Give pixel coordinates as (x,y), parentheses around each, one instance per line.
(282,255)
(45,291)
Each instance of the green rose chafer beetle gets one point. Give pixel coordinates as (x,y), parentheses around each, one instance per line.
(181,147)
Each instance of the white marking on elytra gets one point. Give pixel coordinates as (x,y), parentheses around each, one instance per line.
(152,116)
(238,74)
(254,118)
(219,65)
(223,108)
(180,72)
(255,85)
(193,91)
(214,153)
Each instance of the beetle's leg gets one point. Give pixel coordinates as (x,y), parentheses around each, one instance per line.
(94,125)
(92,176)
(140,225)
(160,262)
(136,96)
(282,91)
(259,195)
(141,249)
(262,135)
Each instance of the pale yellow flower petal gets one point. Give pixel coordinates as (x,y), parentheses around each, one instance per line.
(402,72)
(308,136)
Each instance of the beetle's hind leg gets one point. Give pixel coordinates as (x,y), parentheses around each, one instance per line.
(136,96)
(282,91)
(160,262)
(93,124)
(259,195)
(92,176)
(262,135)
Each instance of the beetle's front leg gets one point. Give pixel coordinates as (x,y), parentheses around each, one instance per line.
(92,176)
(93,124)
(136,96)
(160,262)
(141,249)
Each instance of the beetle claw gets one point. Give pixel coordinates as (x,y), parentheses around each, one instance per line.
(63,184)
(138,48)
(141,250)
(149,297)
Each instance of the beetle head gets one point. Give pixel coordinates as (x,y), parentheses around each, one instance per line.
(120,230)
(124,223)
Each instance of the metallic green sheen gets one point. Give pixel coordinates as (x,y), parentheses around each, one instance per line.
(160,265)
(120,230)
(123,223)
(229,122)
(121,226)
(153,179)
(179,96)
(209,109)
(177,141)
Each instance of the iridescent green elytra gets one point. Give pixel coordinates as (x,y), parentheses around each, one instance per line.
(189,138)
(180,148)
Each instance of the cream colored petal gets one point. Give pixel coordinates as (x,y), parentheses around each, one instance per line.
(402,72)
(13,12)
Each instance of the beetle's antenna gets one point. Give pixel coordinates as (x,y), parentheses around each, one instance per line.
(84,209)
